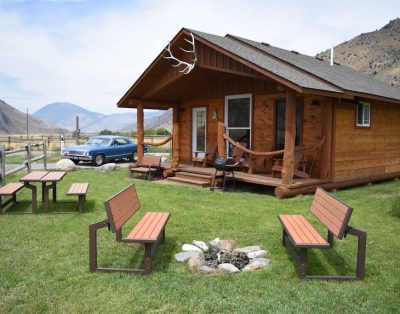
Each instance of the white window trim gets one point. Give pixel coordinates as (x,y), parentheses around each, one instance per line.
(250,115)
(194,127)
(365,105)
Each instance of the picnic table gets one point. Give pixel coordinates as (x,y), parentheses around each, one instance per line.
(43,177)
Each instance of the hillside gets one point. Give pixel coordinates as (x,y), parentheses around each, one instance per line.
(376,53)
(13,121)
(162,121)
(64,115)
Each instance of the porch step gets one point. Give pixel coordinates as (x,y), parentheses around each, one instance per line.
(192,178)
(191,175)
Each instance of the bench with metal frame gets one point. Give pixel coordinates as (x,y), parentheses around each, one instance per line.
(299,235)
(150,164)
(10,190)
(150,230)
(80,190)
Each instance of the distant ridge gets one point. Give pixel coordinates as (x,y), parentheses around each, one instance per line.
(64,114)
(13,121)
(375,53)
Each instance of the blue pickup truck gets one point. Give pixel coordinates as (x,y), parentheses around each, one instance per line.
(100,149)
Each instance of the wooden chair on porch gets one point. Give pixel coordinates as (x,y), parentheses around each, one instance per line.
(301,169)
(209,155)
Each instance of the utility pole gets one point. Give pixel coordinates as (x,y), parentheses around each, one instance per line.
(77,131)
(27,124)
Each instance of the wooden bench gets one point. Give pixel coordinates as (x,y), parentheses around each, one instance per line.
(150,230)
(150,164)
(11,190)
(299,235)
(80,190)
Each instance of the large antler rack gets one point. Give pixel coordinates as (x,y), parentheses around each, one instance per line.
(188,67)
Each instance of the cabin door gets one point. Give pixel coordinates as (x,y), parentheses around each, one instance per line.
(238,120)
(199,129)
(280,123)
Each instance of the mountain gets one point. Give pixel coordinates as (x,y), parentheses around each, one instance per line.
(162,121)
(13,121)
(64,115)
(376,53)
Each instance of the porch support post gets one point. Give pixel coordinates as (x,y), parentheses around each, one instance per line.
(290,138)
(140,132)
(327,132)
(220,140)
(175,136)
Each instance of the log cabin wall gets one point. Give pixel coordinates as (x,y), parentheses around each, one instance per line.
(367,151)
(263,126)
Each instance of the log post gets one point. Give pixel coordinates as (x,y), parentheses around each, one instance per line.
(290,138)
(140,132)
(175,137)
(2,165)
(220,140)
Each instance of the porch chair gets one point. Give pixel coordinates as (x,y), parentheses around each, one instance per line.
(208,157)
(300,164)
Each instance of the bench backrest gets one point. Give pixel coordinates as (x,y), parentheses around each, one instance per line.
(121,207)
(331,212)
(151,160)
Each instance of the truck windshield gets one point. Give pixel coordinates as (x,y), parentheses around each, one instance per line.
(98,141)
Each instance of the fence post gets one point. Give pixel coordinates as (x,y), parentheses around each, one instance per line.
(2,165)
(45,154)
(29,155)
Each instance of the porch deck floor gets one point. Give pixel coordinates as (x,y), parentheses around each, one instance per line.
(260,179)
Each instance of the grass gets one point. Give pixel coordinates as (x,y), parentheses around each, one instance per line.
(44,257)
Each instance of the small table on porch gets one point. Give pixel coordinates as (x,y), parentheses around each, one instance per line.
(34,176)
(53,178)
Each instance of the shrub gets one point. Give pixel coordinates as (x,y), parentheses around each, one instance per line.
(395,210)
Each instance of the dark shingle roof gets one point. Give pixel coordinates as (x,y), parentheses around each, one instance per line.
(302,70)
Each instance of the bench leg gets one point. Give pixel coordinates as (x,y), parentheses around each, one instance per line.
(303,263)
(283,237)
(1,204)
(54,186)
(34,196)
(148,258)
(93,243)
(81,199)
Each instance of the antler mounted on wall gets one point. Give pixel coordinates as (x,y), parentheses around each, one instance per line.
(188,67)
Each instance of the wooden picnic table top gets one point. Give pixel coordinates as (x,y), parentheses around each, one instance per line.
(34,176)
(53,176)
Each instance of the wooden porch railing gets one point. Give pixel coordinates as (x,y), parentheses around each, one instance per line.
(159,143)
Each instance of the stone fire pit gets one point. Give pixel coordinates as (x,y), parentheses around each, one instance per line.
(222,256)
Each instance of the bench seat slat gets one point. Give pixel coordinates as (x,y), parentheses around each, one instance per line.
(302,232)
(11,188)
(149,227)
(78,189)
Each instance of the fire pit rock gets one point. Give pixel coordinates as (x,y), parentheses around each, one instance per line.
(221,256)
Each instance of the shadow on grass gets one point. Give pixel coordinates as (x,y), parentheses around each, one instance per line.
(60,207)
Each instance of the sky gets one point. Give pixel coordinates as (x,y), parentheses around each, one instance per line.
(89,52)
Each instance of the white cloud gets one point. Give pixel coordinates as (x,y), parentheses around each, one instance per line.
(93,60)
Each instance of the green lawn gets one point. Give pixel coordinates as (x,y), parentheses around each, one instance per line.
(44,257)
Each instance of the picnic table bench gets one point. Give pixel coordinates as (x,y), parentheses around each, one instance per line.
(11,190)
(80,190)
(150,164)
(299,235)
(150,230)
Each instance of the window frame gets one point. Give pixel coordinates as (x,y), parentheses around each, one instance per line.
(194,128)
(364,105)
(250,128)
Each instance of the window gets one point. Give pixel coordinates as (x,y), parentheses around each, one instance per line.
(120,141)
(199,130)
(280,123)
(363,114)
(238,119)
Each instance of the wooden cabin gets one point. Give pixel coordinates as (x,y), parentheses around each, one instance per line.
(275,104)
